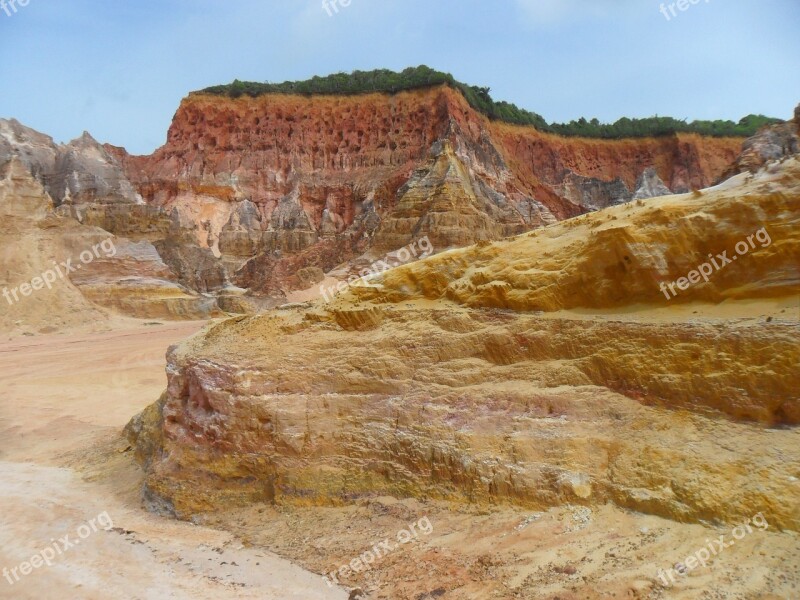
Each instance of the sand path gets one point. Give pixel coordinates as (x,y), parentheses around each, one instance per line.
(65,399)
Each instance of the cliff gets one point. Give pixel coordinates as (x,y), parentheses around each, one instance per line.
(81,172)
(256,200)
(379,170)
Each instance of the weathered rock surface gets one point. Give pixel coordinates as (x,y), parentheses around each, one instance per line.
(439,379)
(241,236)
(84,182)
(276,273)
(195,267)
(29,246)
(593,193)
(108,272)
(442,202)
(649,185)
(773,142)
(87,182)
(260,193)
(621,257)
(138,221)
(80,172)
(384,170)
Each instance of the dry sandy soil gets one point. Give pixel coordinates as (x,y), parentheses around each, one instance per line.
(66,398)
(63,463)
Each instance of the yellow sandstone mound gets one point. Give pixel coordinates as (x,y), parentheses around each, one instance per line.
(542,370)
(619,256)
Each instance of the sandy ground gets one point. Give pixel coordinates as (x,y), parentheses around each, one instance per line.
(64,464)
(65,399)
(505,553)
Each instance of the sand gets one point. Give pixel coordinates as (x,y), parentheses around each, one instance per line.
(63,463)
(66,399)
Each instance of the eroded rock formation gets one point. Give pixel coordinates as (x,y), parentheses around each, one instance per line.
(119,274)
(81,172)
(771,143)
(382,170)
(464,376)
(258,199)
(649,185)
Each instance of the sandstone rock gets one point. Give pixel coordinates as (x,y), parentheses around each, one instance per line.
(290,228)
(28,250)
(649,185)
(241,236)
(622,256)
(593,194)
(86,173)
(119,275)
(193,266)
(393,410)
(274,273)
(441,201)
(773,142)
(323,166)
(139,221)
(76,173)
(23,197)
(255,190)
(36,151)
(440,380)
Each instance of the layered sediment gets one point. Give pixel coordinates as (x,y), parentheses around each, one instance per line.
(119,276)
(775,142)
(379,171)
(545,369)
(255,200)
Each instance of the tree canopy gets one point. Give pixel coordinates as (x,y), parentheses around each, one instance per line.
(391,82)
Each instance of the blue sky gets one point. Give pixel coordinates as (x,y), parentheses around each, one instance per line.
(119,68)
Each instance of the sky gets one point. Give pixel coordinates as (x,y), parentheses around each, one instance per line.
(119,68)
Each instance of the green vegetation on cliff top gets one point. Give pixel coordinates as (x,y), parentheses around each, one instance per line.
(391,82)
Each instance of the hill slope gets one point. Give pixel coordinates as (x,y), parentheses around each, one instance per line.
(443,378)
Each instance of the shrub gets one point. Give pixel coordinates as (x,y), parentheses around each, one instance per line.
(479,98)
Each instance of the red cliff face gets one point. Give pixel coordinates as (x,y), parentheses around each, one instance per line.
(263,148)
(682,161)
(385,169)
